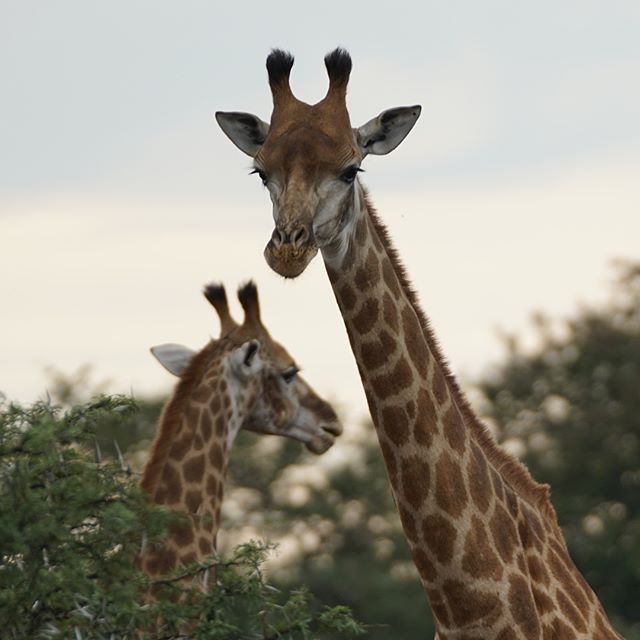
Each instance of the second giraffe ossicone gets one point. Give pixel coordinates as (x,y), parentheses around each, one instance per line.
(483,534)
(242,380)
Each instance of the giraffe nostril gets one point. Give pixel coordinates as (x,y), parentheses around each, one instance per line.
(278,237)
(299,236)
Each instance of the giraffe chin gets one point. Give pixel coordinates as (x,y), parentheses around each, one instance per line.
(319,445)
(289,261)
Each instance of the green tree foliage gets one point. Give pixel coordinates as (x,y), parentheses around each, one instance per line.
(70,530)
(574,409)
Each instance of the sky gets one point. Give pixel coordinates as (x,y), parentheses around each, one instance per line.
(120,197)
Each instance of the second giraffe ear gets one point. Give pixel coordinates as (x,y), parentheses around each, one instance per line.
(246,359)
(245,130)
(173,357)
(385,132)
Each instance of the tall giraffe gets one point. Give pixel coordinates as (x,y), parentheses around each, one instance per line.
(482,533)
(242,380)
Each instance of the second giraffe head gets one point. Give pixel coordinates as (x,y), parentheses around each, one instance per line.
(245,379)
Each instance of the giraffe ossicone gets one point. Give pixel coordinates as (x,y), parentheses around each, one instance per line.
(242,380)
(483,534)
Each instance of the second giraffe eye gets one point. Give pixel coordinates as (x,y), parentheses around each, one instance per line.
(289,374)
(349,174)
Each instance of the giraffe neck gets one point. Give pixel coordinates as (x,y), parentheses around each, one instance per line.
(480,530)
(186,471)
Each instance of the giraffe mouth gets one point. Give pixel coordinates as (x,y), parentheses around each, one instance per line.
(287,260)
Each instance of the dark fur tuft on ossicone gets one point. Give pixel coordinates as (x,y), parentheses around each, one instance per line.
(338,63)
(248,293)
(215,294)
(279,64)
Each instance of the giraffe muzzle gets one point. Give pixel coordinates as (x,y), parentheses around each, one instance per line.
(290,250)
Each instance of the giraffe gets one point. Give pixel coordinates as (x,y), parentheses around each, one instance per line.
(242,380)
(483,534)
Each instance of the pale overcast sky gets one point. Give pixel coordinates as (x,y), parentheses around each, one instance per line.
(120,197)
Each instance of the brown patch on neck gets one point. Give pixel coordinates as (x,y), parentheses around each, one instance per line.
(512,470)
(171,421)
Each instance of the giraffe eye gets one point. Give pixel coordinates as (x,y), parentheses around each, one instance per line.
(289,374)
(349,174)
(261,174)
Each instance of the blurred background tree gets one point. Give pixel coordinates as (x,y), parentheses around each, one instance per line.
(570,409)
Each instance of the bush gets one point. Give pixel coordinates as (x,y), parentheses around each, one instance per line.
(71,526)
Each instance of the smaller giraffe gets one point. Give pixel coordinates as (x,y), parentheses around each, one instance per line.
(242,380)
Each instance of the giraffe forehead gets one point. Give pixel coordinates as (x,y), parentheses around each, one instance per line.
(306,151)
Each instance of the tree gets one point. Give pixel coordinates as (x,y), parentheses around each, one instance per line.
(573,409)
(71,527)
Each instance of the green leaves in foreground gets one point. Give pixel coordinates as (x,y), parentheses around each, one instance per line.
(70,530)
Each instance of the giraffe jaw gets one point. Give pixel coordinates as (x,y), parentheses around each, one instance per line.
(289,261)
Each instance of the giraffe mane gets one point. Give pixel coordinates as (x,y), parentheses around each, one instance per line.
(170,420)
(510,468)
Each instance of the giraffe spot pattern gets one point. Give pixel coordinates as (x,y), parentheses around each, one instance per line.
(439,607)
(395,381)
(180,447)
(395,424)
(390,279)
(367,317)
(198,442)
(415,480)
(410,408)
(389,456)
(376,352)
(439,386)
(182,533)
(439,536)
(212,485)
(161,561)
(193,470)
(558,629)
(193,500)
(408,522)
(498,485)
(367,276)
(415,342)
(188,557)
(537,570)
(479,482)
(201,394)
(507,634)
(566,578)
(469,605)
(390,312)
(523,609)
(215,455)
(347,297)
(503,532)
(426,421)
(205,546)
(171,484)
(454,430)
(451,494)
(544,604)
(426,568)
(206,426)
(479,559)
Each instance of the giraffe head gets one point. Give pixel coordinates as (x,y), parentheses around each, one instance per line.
(256,373)
(309,158)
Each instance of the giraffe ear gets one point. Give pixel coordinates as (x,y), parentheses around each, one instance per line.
(246,359)
(385,132)
(173,357)
(245,130)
